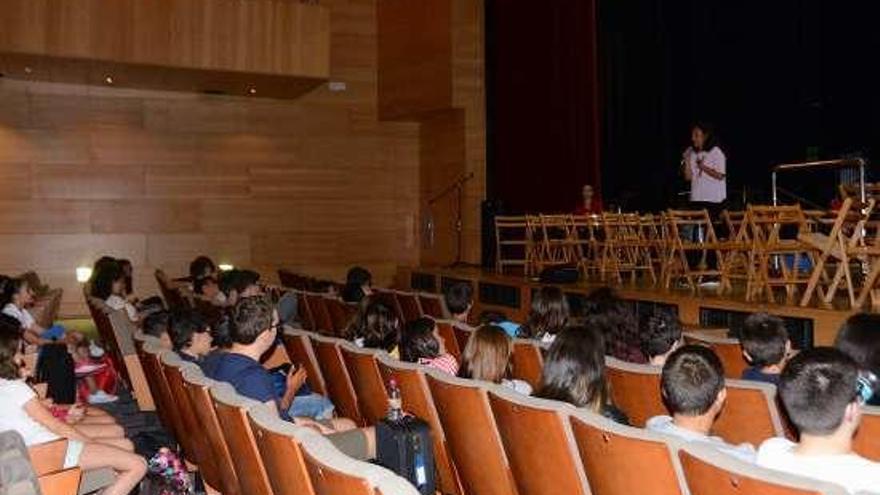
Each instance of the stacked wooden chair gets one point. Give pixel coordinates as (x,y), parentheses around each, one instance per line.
(778,251)
(690,235)
(513,244)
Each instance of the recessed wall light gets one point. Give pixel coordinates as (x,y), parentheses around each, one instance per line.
(252,90)
(225,267)
(83,274)
(108,79)
(28,70)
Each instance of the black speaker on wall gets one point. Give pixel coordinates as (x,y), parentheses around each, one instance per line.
(489,208)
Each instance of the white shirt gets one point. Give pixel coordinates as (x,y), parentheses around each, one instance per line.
(118,303)
(22,315)
(853,472)
(665,426)
(16,394)
(517,386)
(704,187)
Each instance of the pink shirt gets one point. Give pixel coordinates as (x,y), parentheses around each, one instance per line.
(443,362)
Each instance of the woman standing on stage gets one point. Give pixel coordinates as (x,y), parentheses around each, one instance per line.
(704,166)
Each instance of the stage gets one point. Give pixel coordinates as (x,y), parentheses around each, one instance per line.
(511,295)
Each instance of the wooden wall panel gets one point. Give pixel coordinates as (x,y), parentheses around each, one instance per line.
(315,184)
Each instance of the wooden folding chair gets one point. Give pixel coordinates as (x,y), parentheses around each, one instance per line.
(340,389)
(417,400)
(865,442)
(299,349)
(279,443)
(635,388)
(538,442)
(614,455)
(776,233)
(231,409)
(513,243)
(729,350)
(738,262)
(625,249)
(692,232)
(710,472)
(527,362)
(587,235)
(196,386)
(367,382)
(474,441)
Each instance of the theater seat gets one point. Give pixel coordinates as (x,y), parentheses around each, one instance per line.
(417,400)
(433,305)
(635,389)
(367,382)
(729,350)
(539,444)
(750,414)
(614,456)
(866,441)
(409,305)
(332,473)
(231,409)
(340,389)
(317,307)
(527,361)
(447,333)
(709,472)
(462,336)
(299,349)
(280,449)
(149,356)
(196,385)
(341,314)
(474,441)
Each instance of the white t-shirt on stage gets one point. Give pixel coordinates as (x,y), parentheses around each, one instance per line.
(853,472)
(703,186)
(22,315)
(16,394)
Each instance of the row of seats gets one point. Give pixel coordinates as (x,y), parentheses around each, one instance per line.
(243,448)
(328,314)
(489,440)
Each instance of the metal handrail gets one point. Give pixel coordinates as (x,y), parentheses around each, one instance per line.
(827,164)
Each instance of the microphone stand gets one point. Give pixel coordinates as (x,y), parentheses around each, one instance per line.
(458,187)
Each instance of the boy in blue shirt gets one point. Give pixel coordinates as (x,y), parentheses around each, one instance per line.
(766,347)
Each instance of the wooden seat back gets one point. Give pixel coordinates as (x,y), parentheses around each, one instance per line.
(304,313)
(417,400)
(447,333)
(538,442)
(196,386)
(153,370)
(281,452)
(613,455)
(231,409)
(299,349)
(527,362)
(750,413)
(462,336)
(197,448)
(729,351)
(367,382)
(433,305)
(635,388)
(710,472)
(409,305)
(865,442)
(340,389)
(341,314)
(474,441)
(317,306)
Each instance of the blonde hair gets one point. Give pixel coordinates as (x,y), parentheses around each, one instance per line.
(487,354)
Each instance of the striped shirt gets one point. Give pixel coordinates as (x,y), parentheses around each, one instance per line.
(443,362)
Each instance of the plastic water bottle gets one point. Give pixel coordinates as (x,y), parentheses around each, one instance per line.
(395,404)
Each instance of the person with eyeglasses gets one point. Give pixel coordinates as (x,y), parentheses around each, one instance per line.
(822,393)
(253,329)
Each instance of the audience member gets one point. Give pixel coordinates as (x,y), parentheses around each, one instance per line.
(661,335)
(376,327)
(499,319)
(574,372)
(693,390)
(96,377)
(190,335)
(487,357)
(201,267)
(109,286)
(358,284)
(421,343)
(459,299)
(820,391)
(254,327)
(208,289)
(620,326)
(15,299)
(548,316)
(128,273)
(859,338)
(22,411)
(766,347)
(156,325)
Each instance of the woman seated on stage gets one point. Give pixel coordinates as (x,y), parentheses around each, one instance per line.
(590,204)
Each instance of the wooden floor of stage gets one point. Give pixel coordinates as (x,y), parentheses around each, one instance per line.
(511,295)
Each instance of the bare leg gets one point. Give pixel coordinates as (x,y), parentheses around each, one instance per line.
(101,431)
(120,443)
(131,468)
